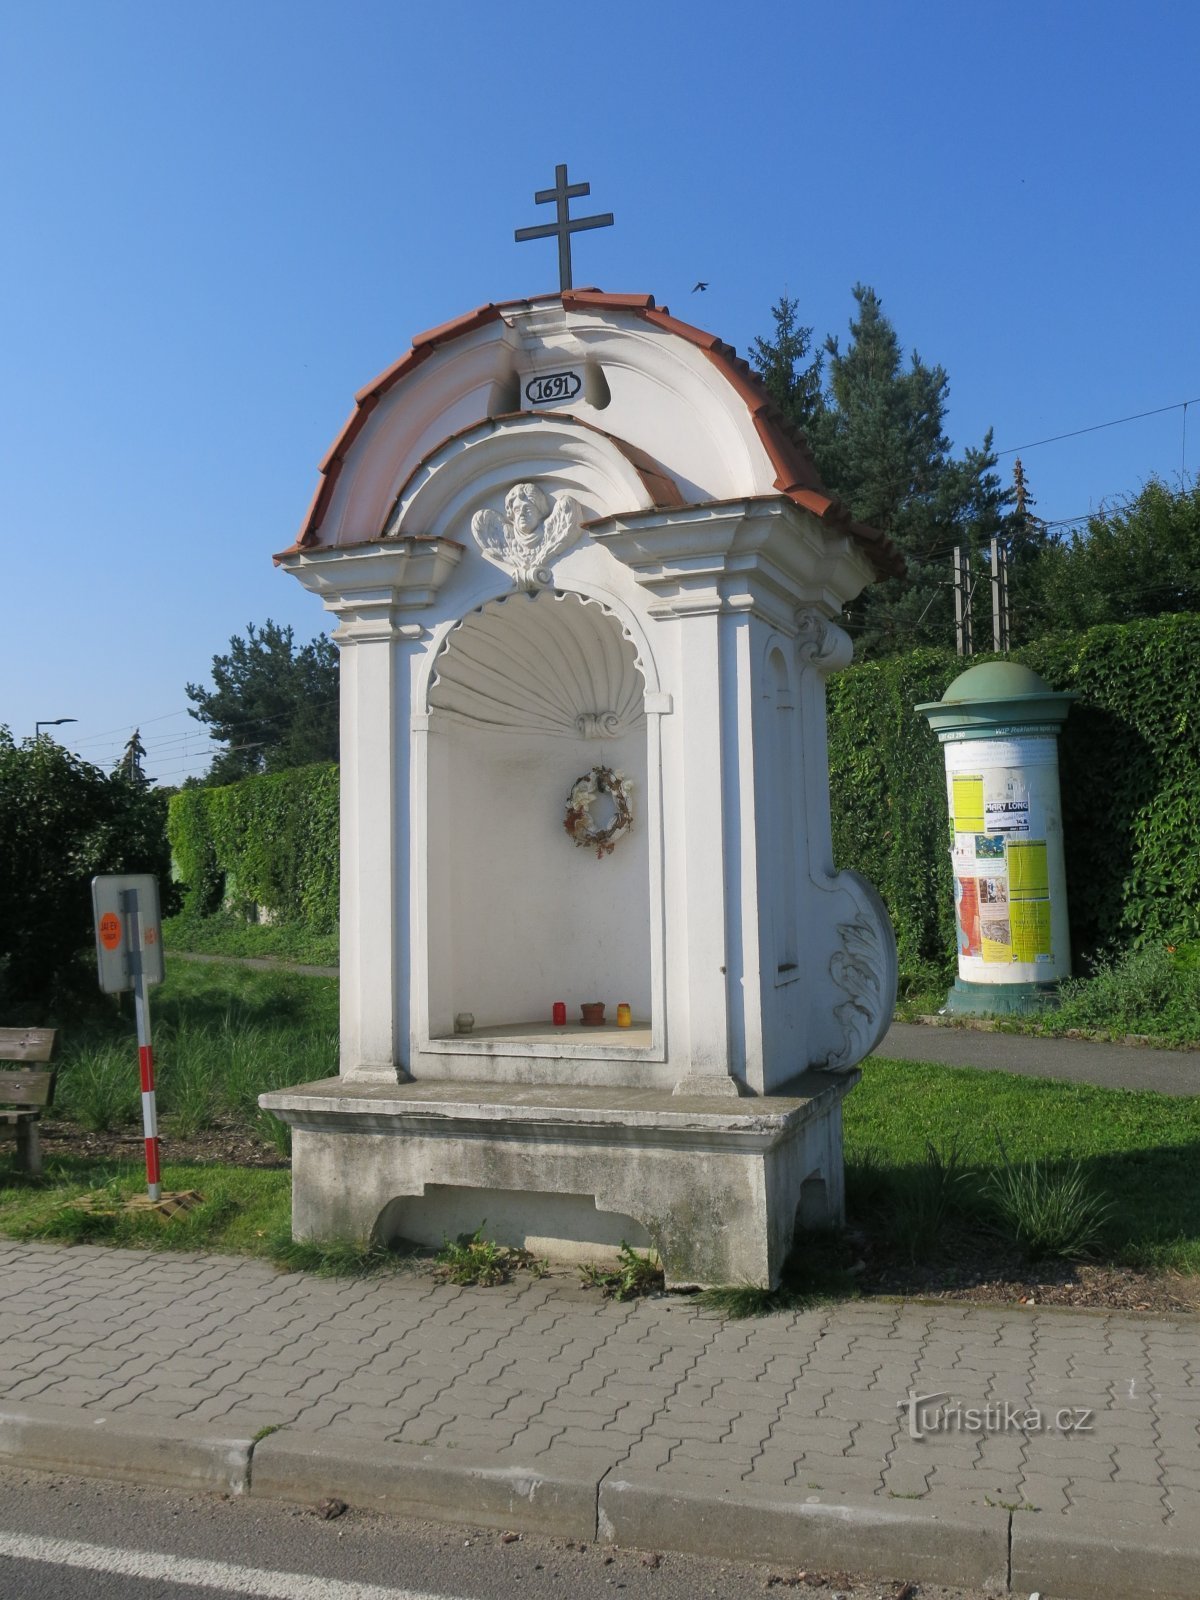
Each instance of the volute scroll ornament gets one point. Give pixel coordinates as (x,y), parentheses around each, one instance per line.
(532,530)
(864,968)
(820,643)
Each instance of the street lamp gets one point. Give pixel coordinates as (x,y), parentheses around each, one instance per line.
(53,722)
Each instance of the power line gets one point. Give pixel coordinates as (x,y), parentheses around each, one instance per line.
(1179,405)
(145,722)
(204,731)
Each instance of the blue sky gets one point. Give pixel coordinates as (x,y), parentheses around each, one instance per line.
(223,219)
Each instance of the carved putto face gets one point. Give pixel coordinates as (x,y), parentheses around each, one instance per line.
(526,507)
(533,528)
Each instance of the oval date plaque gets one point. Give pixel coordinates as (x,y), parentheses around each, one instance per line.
(552,388)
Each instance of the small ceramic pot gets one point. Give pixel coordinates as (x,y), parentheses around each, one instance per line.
(592,1013)
(464,1022)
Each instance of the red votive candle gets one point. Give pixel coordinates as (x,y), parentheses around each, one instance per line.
(560,1013)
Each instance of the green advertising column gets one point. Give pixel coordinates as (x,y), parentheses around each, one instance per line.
(998,724)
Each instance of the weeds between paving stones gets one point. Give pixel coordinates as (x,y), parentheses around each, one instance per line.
(823,1267)
(633,1275)
(337,1258)
(475,1260)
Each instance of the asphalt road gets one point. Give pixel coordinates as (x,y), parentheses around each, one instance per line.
(1110,1066)
(65,1538)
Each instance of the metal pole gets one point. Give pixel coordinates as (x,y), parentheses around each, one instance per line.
(141,1002)
(997,622)
(962,602)
(1005,613)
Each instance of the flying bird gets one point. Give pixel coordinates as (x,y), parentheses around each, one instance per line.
(699,286)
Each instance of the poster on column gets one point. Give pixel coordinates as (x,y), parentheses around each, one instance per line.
(1002,891)
(966,911)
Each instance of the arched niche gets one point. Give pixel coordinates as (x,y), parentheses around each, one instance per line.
(527,694)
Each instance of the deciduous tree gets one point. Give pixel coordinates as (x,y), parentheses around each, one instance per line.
(61,822)
(1137,559)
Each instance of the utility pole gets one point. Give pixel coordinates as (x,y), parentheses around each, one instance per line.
(962,601)
(1001,619)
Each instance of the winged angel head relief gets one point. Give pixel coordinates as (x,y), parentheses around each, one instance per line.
(532,529)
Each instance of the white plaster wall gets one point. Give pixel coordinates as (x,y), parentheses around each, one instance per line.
(520,915)
(795,947)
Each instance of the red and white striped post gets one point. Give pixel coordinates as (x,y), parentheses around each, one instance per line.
(141,1004)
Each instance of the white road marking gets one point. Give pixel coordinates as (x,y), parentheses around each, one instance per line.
(153,1564)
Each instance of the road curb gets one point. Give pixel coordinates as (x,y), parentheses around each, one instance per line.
(1077,1558)
(852,1534)
(416,1481)
(1087,1558)
(141,1450)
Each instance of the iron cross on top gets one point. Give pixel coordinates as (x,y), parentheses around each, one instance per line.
(561,194)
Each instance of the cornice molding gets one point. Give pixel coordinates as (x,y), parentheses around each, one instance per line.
(372,587)
(762,555)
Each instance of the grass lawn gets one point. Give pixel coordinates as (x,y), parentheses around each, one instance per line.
(246,1210)
(223,1034)
(1140,1150)
(1152,993)
(290,1005)
(227,935)
(921,1140)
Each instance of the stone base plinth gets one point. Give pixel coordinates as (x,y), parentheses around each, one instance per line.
(967,999)
(716,1186)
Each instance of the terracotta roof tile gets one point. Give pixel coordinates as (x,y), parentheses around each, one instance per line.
(368,398)
(582,299)
(785,444)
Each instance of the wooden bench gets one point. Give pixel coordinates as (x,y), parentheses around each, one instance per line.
(26,1093)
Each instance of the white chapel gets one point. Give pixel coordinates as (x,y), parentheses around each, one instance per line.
(601,981)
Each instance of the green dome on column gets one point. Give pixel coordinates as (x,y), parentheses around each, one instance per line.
(994,699)
(996,680)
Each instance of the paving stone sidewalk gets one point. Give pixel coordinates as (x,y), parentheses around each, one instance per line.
(547,1376)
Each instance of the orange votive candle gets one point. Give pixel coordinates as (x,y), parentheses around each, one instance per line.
(624,1015)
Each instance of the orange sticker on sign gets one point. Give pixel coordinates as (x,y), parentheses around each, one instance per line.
(110,930)
(150,935)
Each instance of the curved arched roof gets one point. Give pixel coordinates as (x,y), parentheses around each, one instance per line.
(787,464)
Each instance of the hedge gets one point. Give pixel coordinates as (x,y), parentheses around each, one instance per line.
(270,841)
(1130,765)
(1130,754)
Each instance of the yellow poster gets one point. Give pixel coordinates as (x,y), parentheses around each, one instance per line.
(968,805)
(1030,929)
(1028,875)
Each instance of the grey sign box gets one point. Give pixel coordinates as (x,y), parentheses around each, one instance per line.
(117,962)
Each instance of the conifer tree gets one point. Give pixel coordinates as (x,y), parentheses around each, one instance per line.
(272,704)
(793,380)
(876,428)
(130,766)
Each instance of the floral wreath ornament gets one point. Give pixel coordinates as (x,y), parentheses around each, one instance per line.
(578,820)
